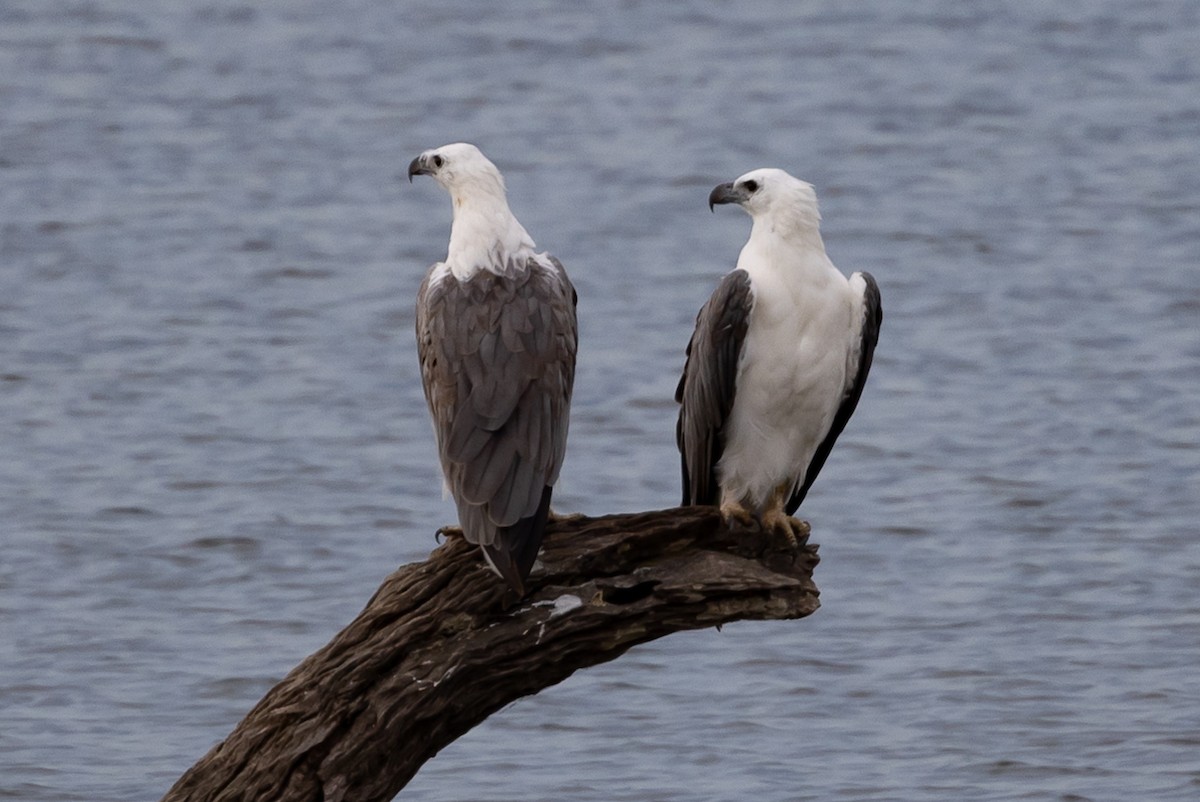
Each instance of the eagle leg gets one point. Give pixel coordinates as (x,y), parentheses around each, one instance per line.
(775,519)
(735,515)
(447,532)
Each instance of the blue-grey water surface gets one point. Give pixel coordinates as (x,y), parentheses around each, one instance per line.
(215,445)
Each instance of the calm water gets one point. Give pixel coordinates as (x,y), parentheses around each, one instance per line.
(215,445)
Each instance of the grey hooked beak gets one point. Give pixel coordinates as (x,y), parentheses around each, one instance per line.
(419,166)
(725,193)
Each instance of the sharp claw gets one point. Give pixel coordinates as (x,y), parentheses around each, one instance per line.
(800,527)
(785,526)
(447,532)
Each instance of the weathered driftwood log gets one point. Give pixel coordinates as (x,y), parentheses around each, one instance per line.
(442,645)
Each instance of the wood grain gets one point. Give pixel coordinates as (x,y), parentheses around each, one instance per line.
(443,644)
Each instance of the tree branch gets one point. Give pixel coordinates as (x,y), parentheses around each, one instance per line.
(442,645)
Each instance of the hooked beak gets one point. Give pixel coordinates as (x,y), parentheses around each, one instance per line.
(419,166)
(725,193)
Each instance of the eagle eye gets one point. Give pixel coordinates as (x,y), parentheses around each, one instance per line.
(438,161)
(751,186)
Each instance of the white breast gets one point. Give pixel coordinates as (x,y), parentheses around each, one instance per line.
(790,383)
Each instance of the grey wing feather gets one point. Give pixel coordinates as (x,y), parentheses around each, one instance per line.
(872,320)
(497,357)
(708,385)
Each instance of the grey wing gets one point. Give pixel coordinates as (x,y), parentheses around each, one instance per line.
(872,311)
(497,360)
(708,385)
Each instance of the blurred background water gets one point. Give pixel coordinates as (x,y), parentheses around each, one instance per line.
(214,444)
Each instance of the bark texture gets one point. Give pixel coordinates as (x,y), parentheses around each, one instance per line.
(443,644)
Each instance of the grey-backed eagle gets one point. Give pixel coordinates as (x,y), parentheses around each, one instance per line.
(496,337)
(777,362)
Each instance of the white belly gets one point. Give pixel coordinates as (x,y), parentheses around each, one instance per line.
(790,383)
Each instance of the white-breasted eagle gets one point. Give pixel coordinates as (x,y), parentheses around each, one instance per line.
(496,338)
(777,362)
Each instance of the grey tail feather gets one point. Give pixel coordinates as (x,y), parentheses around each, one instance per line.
(516,547)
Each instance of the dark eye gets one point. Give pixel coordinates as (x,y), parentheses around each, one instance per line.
(751,186)
(438,161)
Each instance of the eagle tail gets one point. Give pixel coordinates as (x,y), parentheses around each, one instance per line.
(516,547)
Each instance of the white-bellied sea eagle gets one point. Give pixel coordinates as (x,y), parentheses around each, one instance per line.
(777,362)
(496,337)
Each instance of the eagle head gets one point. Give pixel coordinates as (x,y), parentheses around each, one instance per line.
(769,192)
(458,167)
